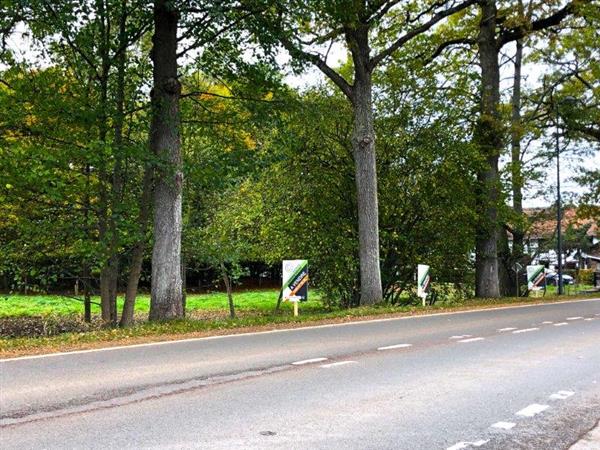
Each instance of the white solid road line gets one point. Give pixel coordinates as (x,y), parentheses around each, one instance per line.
(504,425)
(462,445)
(560,324)
(532,410)
(285,330)
(525,330)
(339,363)
(502,330)
(308,361)
(391,347)
(561,395)
(472,339)
(574,318)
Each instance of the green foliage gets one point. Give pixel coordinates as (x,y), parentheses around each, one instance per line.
(585,276)
(302,205)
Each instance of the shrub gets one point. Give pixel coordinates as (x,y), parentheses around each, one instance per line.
(585,276)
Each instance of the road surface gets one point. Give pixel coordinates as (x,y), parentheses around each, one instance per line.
(509,378)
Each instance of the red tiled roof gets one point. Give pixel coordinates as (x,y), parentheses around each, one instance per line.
(544,222)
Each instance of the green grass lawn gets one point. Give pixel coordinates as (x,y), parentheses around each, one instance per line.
(251,301)
(245,301)
(255,308)
(570,289)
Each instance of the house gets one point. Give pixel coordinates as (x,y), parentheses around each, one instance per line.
(580,239)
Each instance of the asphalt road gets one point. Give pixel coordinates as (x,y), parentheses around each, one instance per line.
(511,378)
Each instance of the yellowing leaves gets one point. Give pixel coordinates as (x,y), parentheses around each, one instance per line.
(250,142)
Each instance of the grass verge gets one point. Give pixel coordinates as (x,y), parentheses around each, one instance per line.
(188,328)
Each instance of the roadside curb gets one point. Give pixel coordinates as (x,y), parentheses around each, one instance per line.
(166,339)
(591,441)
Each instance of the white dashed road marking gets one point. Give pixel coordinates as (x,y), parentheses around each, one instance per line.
(525,330)
(472,339)
(589,318)
(532,410)
(547,322)
(461,445)
(504,425)
(560,324)
(561,395)
(574,318)
(462,336)
(339,363)
(391,347)
(308,361)
(502,330)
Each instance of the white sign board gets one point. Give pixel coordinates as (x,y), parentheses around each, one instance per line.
(295,280)
(536,278)
(423,281)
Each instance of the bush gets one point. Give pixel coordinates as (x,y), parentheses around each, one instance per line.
(585,276)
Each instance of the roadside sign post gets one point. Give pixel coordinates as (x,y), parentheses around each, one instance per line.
(517,268)
(423,281)
(294,299)
(295,282)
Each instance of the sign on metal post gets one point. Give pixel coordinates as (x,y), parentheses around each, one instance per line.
(295,282)
(423,281)
(536,279)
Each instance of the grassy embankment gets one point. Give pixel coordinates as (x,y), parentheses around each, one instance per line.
(208,316)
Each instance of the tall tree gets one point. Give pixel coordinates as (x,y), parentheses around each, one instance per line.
(98,57)
(361,25)
(165,142)
(494,32)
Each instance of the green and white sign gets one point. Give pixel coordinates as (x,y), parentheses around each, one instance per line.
(423,281)
(295,280)
(536,279)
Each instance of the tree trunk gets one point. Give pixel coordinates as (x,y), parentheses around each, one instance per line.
(87,298)
(506,277)
(137,256)
(109,265)
(516,166)
(227,282)
(363,149)
(106,228)
(183,283)
(86,271)
(166,299)
(117,175)
(488,135)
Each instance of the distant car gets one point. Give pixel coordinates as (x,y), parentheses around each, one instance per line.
(552,278)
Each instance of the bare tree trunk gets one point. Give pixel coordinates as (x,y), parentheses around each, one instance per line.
(137,255)
(506,278)
(86,271)
(363,148)
(184,283)
(106,227)
(507,259)
(107,270)
(117,175)
(166,301)
(516,166)
(488,135)
(227,282)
